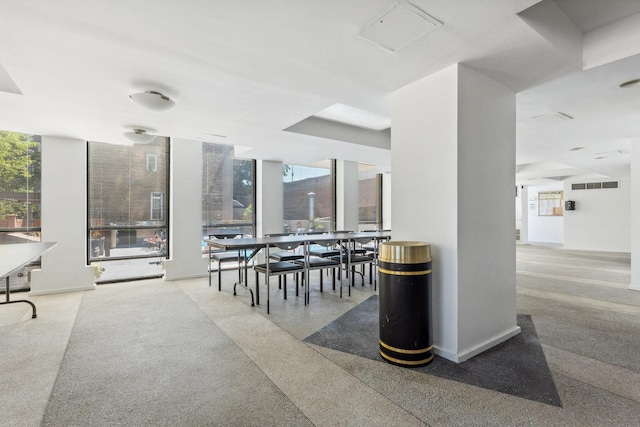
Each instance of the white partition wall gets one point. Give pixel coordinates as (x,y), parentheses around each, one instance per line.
(602,218)
(524,211)
(346,195)
(64,218)
(269,197)
(635,216)
(453,161)
(185,212)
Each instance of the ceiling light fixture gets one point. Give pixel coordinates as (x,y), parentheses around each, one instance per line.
(154,101)
(576,148)
(140,136)
(630,83)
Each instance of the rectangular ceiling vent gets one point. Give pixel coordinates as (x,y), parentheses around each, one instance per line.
(594,185)
(545,120)
(398,27)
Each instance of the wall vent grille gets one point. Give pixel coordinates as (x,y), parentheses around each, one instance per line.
(594,185)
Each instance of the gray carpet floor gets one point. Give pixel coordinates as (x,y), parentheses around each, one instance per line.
(157,360)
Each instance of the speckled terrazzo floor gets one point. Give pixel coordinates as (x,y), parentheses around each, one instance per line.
(183,353)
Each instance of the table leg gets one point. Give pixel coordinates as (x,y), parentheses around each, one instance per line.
(8,301)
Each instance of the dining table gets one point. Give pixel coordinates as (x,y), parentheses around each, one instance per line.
(15,256)
(254,245)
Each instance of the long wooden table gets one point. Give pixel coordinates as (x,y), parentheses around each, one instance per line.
(15,256)
(256,244)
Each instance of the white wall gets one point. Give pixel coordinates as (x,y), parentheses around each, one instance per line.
(269,197)
(64,209)
(185,212)
(634,183)
(544,229)
(346,195)
(602,219)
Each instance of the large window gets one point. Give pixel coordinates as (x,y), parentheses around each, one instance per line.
(19,195)
(308,197)
(228,196)
(369,197)
(127,208)
(19,187)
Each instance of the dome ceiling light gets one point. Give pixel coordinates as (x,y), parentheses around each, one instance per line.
(140,136)
(154,101)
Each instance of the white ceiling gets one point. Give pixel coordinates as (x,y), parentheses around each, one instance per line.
(248,70)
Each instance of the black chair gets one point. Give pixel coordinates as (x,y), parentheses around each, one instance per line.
(284,256)
(279,268)
(222,257)
(323,262)
(352,257)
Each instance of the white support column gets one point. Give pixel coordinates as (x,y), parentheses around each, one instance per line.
(524,224)
(635,216)
(453,161)
(346,195)
(269,197)
(185,212)
(386,201)
(64,218)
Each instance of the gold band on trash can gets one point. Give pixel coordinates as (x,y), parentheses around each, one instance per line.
(407,362)
(403,273)
(401,350)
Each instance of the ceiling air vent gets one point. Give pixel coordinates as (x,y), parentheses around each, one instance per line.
(398,27)
(594,185)
(545,120)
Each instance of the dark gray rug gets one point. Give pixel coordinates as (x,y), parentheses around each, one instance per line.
(516,366)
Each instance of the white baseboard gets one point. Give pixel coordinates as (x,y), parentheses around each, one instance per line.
(185,277)
(62,290)
(477,349)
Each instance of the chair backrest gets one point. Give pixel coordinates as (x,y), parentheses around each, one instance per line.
(287,246)
(327,243)
(220,236)
(362,240)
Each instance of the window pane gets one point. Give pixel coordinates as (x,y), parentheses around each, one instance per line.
(121,184)
(227,192)
(127,208)
(19,187)
(307,197)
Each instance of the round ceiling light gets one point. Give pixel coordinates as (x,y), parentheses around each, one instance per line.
(140,136)
(630,83)
(154,101)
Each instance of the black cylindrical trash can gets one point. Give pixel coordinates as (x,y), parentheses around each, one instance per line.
(405,303)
